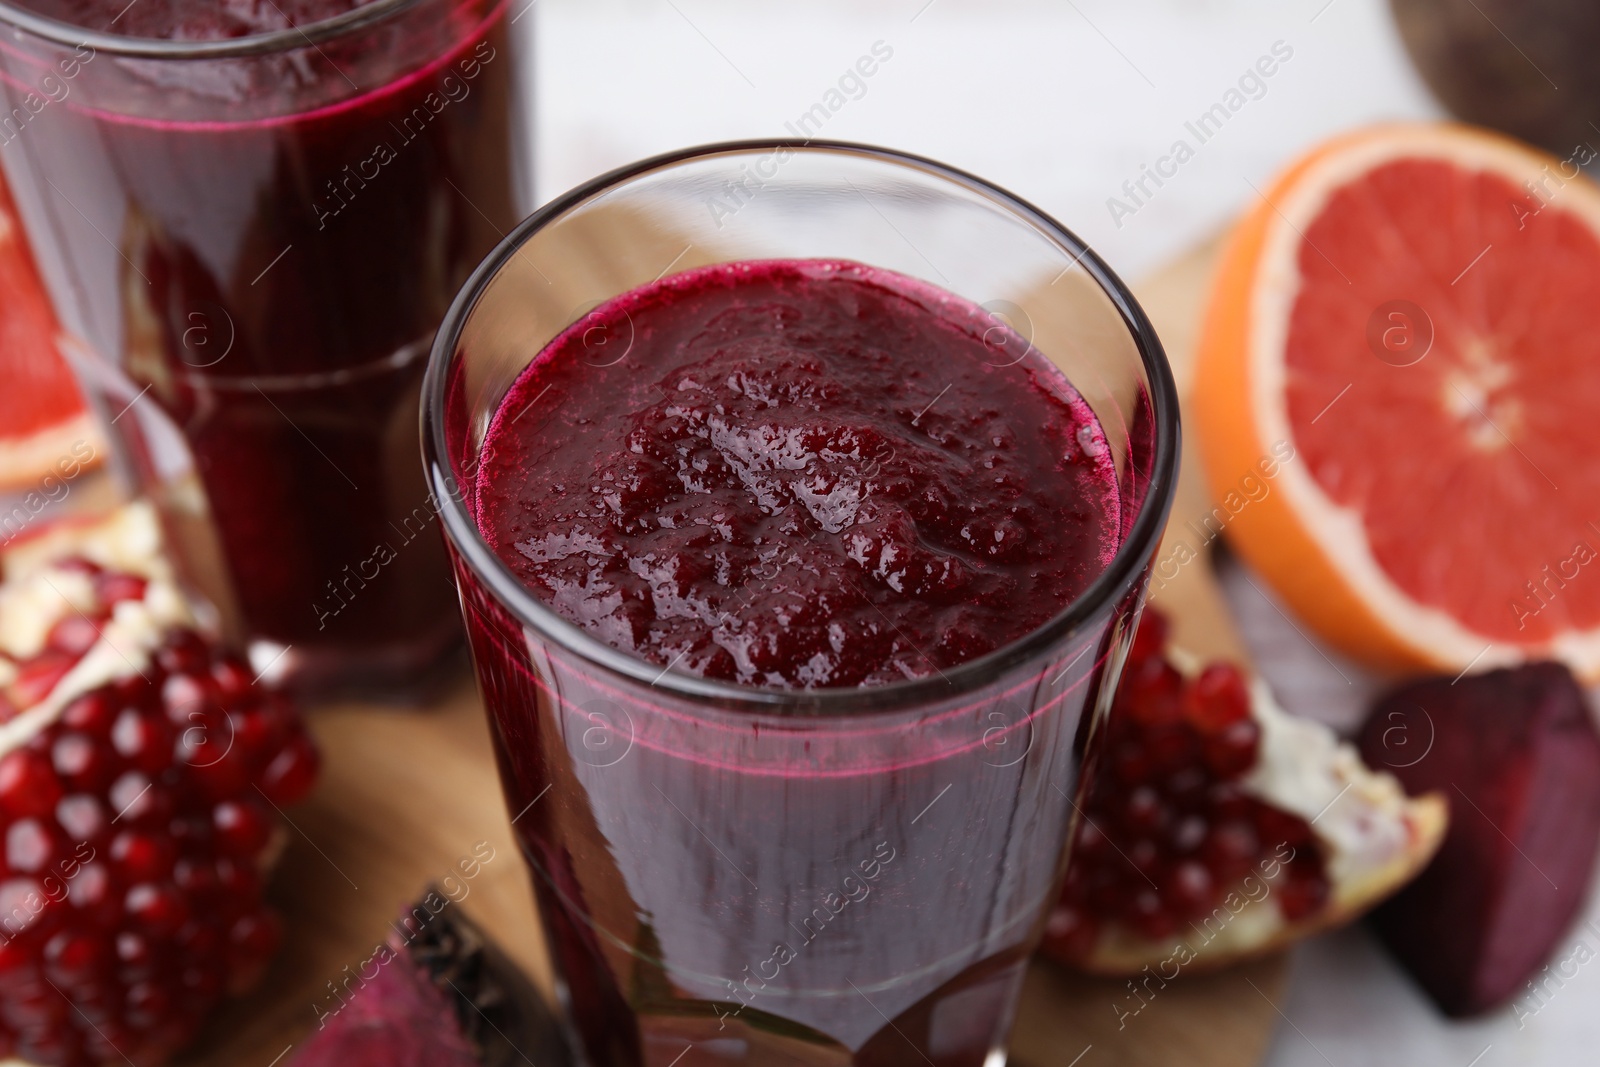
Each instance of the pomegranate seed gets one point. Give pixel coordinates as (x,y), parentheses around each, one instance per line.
(1230,849)
(82,816)
(1071,931)
(215,771)
(1218,698)
(1144,812)
(147,1004)
(29,846)
(158,909)
(292,772)
(1278,828)
(242,828)
(1146,913)
(28,785)
(133,950)
(1189,889)
(1150,639)
(1186,834)
(39,675)
(185,652)
(74,959)
(143,739)
(115,586)
(232,676)
(1302,894)
(141,857)
(73,635)
(80,761)
(92,713)
(1155,694)
(1232,751)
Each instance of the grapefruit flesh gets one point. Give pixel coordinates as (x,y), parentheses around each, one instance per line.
(42,413)
(1416,309)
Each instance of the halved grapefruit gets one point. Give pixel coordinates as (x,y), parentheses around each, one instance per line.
(1412,313)
(42,416)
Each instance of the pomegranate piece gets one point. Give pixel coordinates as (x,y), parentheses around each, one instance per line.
(1166,832)
(1518,756)
(135,816)
(444,996)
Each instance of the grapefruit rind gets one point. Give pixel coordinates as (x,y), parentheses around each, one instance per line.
(1315,552)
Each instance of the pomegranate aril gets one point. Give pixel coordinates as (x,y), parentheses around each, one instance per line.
(1145,857)
(39,675)
(28,785)
(1189,889)
(30,846)
(232,676)
(1186,834)
(1146,913)
(1143,811)
(185,695)
(133,950)
(184,652)
(292,772)
(243,829)
(216,774)
(92,713)
(1278,828)
(1217,698)
(1232,750)
(141,857)
(81,761)
(74,959)
(1071,932)
(143,739)
(147,1004)
(113,586)
(1155,694)
(1150,639)
(196,877)
(1230,850)
(92,894)
(73,635)
(138,800)
(1302,893)
(158,909)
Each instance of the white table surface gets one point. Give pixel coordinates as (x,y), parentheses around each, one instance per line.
(1061,101)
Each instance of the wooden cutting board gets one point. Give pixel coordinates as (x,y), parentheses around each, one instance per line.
(408,794)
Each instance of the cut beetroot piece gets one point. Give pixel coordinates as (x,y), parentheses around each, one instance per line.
(444,996)
(1518,756)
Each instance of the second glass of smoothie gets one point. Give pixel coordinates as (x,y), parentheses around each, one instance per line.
(251,219)
(801,500)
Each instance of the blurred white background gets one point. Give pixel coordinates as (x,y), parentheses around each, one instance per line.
(1060,101)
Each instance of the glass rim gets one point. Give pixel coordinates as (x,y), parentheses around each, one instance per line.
(1119,575)
(255,44)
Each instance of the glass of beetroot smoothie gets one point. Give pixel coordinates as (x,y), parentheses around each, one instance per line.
(251,219)
(800,500)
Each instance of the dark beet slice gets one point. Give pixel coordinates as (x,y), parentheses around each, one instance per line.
(446,996)
(1518,756)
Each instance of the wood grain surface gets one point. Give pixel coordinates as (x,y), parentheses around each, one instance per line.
(407,794)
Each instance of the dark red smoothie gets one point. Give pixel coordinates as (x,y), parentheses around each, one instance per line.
(266,246)
(806,475)
(815,474)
